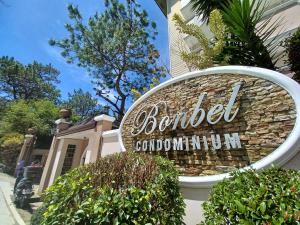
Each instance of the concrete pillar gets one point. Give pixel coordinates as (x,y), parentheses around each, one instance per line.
(44,183)
(27,148)
(58,161)
(61,124)
(104,123)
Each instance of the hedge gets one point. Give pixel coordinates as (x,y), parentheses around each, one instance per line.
(252,197)
(125,188)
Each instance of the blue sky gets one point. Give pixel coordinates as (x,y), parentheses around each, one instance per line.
(26,27)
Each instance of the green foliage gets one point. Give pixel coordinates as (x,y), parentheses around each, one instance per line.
(254,197)
(248,42)
(16,119)
(27,82)
(292,45)
(10,147)
(116,47)
(248,39)
(3,103)
(81,103)
(209,50)
(37,216)
(125,188)
(11,140)
(136,94)
(20,115)
(203,8)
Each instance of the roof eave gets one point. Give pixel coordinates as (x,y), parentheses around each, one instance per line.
(162,4)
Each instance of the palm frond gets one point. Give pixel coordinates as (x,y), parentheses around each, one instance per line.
(249,41)
(205,7)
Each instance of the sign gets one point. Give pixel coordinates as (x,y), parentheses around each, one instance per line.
(214,121)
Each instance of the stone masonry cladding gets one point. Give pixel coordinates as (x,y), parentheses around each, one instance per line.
(265,119)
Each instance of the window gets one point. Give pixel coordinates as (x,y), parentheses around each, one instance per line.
(68,159)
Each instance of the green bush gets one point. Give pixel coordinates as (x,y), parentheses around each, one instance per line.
(268,197)
(292,45)
(37,216)
(125,188)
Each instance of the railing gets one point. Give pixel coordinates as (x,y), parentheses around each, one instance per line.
(186,6)
(273,3)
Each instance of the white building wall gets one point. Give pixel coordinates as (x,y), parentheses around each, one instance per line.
(177,66)
(110,144)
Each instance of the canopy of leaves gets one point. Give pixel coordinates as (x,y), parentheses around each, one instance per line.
(20,115)
(126,188)
(116,47)
(11,140)
(82,104)
(253,197)
(203,8)
(136,94)
(210,50)
(27,82)
(292,45)
(3,103)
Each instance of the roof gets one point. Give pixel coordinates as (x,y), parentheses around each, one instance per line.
(162,5)
(86,124)
(83,125)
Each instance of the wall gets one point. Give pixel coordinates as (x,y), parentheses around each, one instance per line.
(43,153)
(177,66)
(60,156)
(262,122)
(111,143)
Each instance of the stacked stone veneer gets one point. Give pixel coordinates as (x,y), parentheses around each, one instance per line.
(265,119)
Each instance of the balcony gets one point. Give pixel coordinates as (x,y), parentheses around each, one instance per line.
(162,4)
(191,41)
(272,6)
(186,10)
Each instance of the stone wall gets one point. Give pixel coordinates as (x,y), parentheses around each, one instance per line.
(266,117)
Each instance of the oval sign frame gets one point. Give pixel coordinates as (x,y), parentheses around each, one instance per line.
(279,156)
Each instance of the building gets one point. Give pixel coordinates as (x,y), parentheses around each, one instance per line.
(77,145)
(288,10)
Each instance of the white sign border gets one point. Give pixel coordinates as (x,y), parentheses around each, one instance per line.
(278,157)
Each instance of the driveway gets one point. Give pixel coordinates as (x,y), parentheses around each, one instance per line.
(8,213)
(6,216)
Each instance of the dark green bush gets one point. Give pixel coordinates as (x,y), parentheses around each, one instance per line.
(37,216)
(268,197)
(292,45)
(126,188)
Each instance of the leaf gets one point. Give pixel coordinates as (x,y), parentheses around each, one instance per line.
(240,206)
(263,207)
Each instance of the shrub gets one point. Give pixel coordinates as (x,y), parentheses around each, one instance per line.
(292,45)
(10,147)
(268,197)
(125,188)
(37,216)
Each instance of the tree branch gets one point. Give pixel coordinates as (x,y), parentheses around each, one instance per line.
(100,94)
